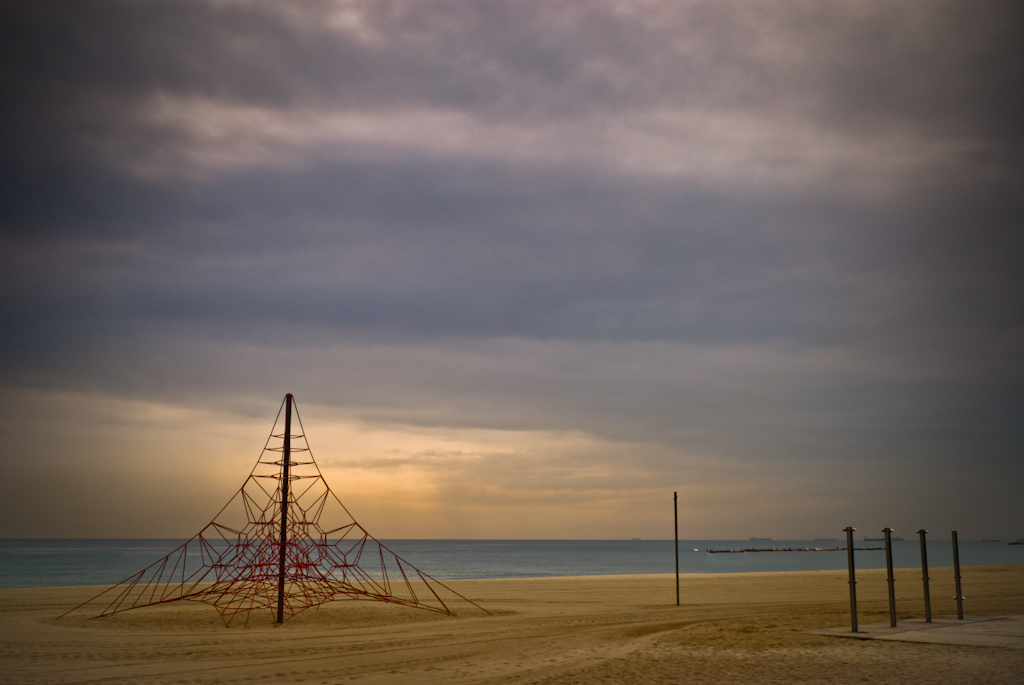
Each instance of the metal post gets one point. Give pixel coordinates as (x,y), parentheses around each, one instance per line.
(956,575)
(284,505)
(892,581)
(924,577)
(675,509)
(853,580)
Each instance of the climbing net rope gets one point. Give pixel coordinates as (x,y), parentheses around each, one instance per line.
(284,543)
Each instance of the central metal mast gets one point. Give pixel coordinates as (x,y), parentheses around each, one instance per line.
(284,504)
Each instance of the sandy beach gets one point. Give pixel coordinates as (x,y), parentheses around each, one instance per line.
(594,629)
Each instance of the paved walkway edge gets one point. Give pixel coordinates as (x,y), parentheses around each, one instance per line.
(977,631)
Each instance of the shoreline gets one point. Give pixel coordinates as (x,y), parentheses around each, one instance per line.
(932,570)
(583,576)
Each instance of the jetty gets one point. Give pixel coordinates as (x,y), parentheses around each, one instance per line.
(790,549)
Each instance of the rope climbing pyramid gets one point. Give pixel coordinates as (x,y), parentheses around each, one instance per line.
(284,543)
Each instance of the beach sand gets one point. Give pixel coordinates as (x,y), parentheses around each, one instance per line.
(731,628)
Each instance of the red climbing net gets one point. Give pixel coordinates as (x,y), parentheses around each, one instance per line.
(283,543)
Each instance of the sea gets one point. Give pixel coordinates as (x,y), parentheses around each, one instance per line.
(52,563)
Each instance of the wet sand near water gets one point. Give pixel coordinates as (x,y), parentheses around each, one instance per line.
(731,628)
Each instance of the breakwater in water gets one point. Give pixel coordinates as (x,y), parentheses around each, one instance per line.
(792,549)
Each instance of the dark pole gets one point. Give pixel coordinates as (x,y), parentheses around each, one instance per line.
(892,581)
(675,509)
(924,576)
(284,504)
(853,579)
(956,575)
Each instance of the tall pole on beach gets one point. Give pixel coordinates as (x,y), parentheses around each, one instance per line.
(675,510)
(853,579)
(284,505)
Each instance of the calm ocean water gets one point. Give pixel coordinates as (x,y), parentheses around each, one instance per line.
(47,563)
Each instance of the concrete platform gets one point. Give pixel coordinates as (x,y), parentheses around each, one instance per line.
(980,631)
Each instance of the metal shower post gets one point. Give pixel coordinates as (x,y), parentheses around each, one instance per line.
(892,581)
(924,577)
(956,575)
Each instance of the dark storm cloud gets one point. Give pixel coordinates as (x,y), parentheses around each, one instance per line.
(497,246)
(514,58)
(740,230)
(74,72)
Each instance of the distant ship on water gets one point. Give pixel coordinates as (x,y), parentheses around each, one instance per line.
(761,539)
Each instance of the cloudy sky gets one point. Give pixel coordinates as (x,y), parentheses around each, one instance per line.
(527,267)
